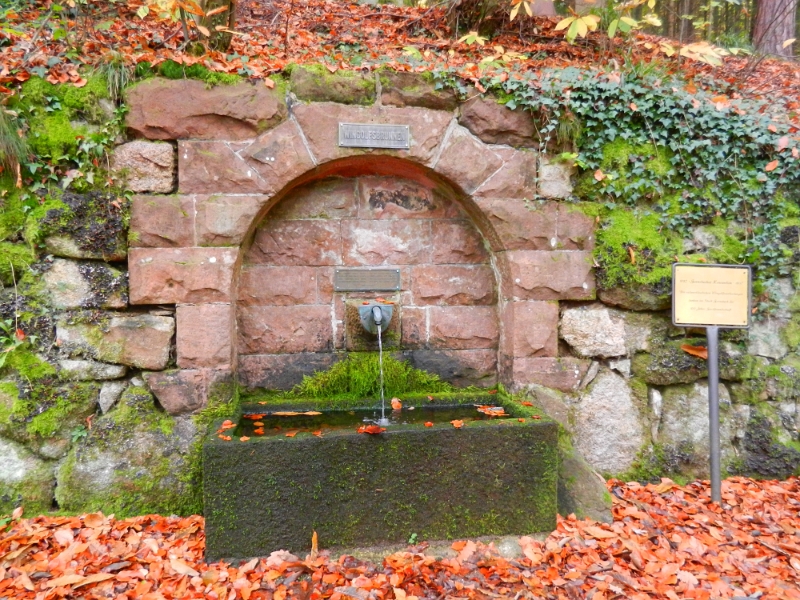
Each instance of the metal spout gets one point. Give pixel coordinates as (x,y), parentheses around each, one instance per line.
(374,315)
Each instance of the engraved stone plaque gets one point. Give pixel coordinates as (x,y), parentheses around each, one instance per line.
(366,280)
(366,135)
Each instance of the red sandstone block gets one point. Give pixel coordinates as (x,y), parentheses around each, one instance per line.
(466,160)
(210,167)
(453,284)
(278,156)
(204,335)
(515,179)
(333,198)
(180,275)
(520,226)
(413,327)
(457,241)
(463,327)
(224,220)
(320,124)
(162,222)
(394,198)
(282,286)
(530,328)
(297,242)
(575,229)
(556,275)
(391,242)
(282,329)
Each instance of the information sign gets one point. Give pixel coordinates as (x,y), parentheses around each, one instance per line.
(706,295)
(366,280)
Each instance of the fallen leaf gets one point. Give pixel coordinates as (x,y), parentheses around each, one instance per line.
(258,424)
(312,413)
(698,351)
(771,166)
(244,438)
(396,404)
(259,431)
(428,424)
(317,433)
(599,175)
(292,433)
(458,424)
(597,532)
(371,429)
(182,568)
(526,403)
(269,83)
(94,520)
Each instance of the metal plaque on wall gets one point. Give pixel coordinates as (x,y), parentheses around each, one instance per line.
(367,135)
(366,280)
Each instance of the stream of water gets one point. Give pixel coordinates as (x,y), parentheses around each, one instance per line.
(383,420)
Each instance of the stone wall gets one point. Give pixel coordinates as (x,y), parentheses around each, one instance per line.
(245,204)
(267,208)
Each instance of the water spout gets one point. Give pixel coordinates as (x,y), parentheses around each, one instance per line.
(375,318)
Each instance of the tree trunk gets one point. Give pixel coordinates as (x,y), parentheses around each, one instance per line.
(774,24)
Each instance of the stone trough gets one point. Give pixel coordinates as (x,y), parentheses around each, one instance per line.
(491,477)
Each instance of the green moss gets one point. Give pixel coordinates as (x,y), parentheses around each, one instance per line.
(12,214)
(28,365)
(35,231)
(14,262)
(624,231)
(172,70)
(358,377)
(53,135)
(65,403)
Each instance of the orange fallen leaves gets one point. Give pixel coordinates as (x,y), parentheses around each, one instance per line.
(492,411)
(244,438)
(698,351)
(666,542)
(457,423)
(371,429)
(526,403)
(291,434)
(428,424)
(259,431)
(396,404)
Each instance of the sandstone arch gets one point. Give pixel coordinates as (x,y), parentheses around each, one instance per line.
(188,247)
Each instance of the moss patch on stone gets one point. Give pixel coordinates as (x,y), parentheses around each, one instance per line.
(14,262)
(172,70)
(317,84)
(128,464)
(634,248)
(357,378)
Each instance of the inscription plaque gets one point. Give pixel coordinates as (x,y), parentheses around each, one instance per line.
(711,295)
(367,135)
(366,280)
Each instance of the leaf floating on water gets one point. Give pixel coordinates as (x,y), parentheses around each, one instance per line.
(396,404)
(371,429)
(698,351)
(493,411)
(312,413)
(244,438)
(259,431)
(256,417)
(285,413)
(458,424)
(292,433)
(258,424)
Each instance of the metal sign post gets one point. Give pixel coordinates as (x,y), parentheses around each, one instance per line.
(713,297)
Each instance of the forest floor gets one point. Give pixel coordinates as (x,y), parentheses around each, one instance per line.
(666,541)
(271,34)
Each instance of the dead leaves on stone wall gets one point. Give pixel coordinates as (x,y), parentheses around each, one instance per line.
(666,541)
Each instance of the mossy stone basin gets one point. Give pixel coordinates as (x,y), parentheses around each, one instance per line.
(490,477)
